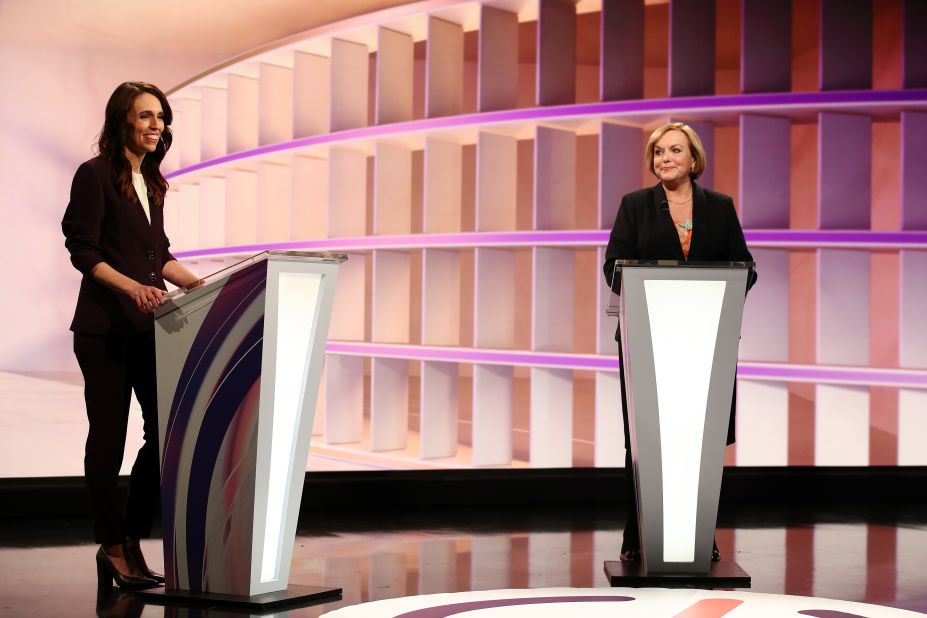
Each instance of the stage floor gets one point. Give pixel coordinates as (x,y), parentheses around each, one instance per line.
(874,553)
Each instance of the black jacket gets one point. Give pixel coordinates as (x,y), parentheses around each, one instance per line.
(100,225)
(644,230)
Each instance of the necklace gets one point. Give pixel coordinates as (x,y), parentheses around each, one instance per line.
(685,201)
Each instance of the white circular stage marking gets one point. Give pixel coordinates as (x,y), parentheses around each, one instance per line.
(614,603)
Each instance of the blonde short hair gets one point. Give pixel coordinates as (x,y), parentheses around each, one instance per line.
(695,147)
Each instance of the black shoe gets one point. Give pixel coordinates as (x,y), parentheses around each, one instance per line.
(134,552)
(630,555)
(715,554)
(107,573)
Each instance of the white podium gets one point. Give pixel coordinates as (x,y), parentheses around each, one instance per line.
(680,331)
(239,360)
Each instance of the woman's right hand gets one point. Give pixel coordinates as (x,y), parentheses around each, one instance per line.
(146,297)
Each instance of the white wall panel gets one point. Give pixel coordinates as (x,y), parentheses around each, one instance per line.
(212,212)
(241,192)
(498,60)
(395,63)
(349,85)
(439,395)
(440,297)
(275,104)
(492,415)
(444,68)
(762,423)
(913,296)
(765,329)
(344,414)
(843,313)
(609,428)
(349,311)
(391,294)
(443,186)
(242,113)
(389,404)
(496,182)
(841,425)
(188,233)
(912,427)
(494,299)
(311,94)
(551,431)
(552,305)
(275,194)
(554,179)
(309,212)
(620,150)
(215,120)
(392,201)
(606,325)
(189,133)
(347,182)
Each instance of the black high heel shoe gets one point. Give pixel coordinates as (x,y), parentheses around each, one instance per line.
(107,573)
(134,552)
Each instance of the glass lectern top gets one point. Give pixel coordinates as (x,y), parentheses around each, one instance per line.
(613,303)
(312,256)
(619,264)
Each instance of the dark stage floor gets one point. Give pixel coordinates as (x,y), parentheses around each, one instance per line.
(875,553)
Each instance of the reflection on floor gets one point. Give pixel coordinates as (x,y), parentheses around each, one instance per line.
(854,552)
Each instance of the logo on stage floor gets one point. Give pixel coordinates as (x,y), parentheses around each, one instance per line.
(614,603)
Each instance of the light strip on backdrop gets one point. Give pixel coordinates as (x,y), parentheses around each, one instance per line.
(760,239)
(732,104)
(772,372)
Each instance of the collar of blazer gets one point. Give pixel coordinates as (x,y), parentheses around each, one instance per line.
(658,196)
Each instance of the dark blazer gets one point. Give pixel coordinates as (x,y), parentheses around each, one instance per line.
(644,230)
(100,225)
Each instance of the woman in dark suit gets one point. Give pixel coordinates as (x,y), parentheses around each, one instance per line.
(674,220)
(114,231)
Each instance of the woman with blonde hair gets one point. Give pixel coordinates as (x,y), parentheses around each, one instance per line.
(676,219)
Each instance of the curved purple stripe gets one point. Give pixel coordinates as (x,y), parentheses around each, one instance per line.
(240,375)
(760,238)
(443,611)
(828,613)
(676,105)
(222,316)
(902,378)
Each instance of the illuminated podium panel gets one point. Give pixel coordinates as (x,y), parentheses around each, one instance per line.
(680,331)
(239,361)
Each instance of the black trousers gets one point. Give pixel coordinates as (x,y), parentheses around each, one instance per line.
(113,366)
(632,531)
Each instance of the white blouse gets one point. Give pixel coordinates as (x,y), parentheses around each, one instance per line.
(141,189)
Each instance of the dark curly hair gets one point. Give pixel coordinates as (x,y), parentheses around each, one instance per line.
(111,143)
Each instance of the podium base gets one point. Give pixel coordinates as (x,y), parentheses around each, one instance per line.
(292,596)
(724,574)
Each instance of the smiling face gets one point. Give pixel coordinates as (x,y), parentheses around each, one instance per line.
(672,157)
(145,122)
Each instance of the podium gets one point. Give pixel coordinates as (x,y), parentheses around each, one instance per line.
(239,360)
(680,331)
